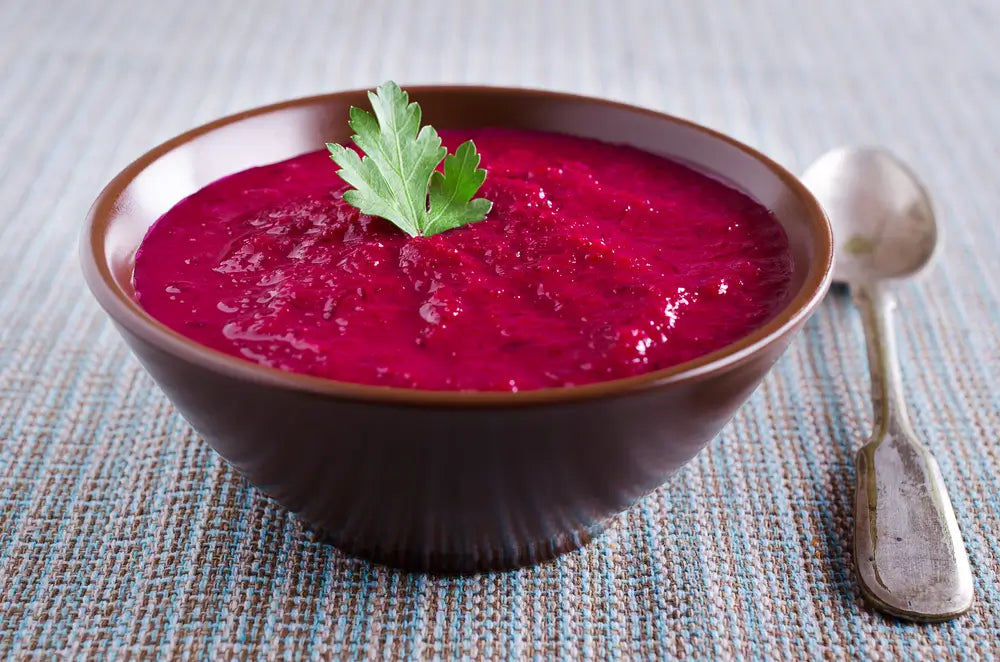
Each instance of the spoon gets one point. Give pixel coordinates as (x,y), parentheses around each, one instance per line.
(911,562)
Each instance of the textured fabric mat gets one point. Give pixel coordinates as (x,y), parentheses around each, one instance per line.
(122,533)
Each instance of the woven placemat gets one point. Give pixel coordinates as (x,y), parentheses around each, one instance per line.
(122,533)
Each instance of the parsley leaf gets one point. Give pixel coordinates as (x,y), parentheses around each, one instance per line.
(398,173)
(451,192)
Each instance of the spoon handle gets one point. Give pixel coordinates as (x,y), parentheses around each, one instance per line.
(911,561)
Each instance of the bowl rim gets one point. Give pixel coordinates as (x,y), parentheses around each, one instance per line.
(126,312)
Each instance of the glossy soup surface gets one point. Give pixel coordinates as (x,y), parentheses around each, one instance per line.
(597,262)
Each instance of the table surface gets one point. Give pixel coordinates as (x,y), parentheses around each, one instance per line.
(122,532)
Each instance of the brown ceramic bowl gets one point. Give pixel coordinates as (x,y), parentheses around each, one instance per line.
(446,481)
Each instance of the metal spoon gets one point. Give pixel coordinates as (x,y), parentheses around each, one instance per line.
(911,562)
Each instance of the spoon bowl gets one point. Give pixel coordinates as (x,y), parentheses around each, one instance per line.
(882,217)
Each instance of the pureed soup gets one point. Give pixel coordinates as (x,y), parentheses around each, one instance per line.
(597,262)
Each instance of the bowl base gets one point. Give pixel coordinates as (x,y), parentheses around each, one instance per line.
(477,559)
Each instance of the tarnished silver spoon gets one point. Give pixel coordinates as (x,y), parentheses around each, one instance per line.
(911,561)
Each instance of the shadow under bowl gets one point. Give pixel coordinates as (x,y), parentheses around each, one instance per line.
(447,481)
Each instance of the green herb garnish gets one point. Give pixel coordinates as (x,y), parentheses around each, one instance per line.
(397,179)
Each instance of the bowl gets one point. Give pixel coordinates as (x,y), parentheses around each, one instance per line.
(447,481)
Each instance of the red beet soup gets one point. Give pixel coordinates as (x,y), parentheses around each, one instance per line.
(597,262)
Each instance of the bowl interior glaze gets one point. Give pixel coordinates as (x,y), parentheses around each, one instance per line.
(151,185)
